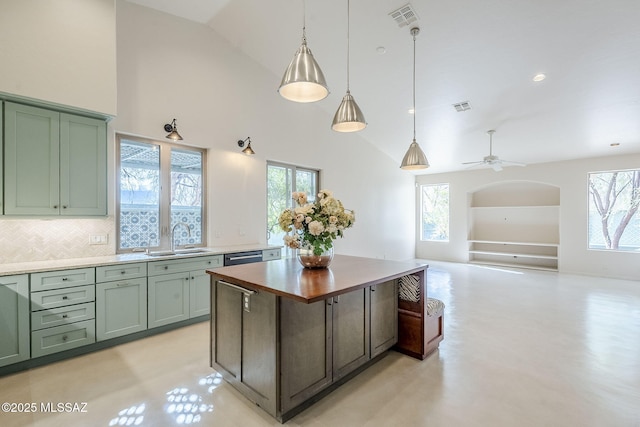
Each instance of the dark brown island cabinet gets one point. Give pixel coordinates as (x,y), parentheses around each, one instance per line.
(284,336)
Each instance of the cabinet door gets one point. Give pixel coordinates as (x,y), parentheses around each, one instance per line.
(14,319)
(244,341)
(31,160)
(168,299)
(199,293)
(384,316)
(306,350)
(226,325)
(350,331)
(83,166)
(121,308)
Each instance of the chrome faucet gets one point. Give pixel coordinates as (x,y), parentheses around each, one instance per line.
(173,233)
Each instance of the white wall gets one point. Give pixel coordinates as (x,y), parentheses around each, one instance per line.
(571,178)
(60,51)
(169,67)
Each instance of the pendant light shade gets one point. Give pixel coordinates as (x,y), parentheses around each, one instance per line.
(303,80)
(349,117)
(414,159)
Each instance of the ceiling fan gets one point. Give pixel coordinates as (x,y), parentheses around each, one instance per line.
(494,161)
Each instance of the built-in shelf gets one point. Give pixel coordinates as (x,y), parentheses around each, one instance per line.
(515,224)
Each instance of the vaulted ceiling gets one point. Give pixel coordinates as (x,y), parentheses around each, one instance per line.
(485,53)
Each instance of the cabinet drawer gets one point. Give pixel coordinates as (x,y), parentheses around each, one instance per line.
(110,273)
(270,254)
(62,297)
(62,316)
(60,338)
(156,268)
(62,279)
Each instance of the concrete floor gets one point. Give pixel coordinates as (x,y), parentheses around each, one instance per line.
(522,348)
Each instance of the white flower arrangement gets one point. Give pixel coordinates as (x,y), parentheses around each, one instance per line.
(315,225)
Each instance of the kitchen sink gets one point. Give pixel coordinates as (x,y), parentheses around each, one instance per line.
(177,252)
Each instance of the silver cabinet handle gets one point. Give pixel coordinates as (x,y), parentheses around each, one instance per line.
(233,258)
(123,284)
(238,288)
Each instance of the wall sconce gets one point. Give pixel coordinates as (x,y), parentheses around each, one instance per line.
(172,128)
(248,151)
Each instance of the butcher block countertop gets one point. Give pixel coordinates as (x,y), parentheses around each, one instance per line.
(287,277)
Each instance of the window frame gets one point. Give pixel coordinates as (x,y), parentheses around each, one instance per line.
(165,191)
(421,212)
(290,203)
(593,247)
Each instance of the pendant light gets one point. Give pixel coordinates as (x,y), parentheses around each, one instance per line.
(303,80)
(414,158)
(349,117)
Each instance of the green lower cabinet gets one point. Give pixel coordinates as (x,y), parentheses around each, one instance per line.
(14,319)
(168,299)
(121,308)
(199,294)
(178,296)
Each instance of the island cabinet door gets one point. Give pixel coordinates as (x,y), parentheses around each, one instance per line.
(305,349)
(244,341)
(351,331)
(384,316)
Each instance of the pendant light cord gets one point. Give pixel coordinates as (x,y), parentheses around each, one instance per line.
(348,20)
(414,87)
(304,22)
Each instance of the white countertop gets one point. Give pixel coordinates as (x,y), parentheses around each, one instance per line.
(62,264)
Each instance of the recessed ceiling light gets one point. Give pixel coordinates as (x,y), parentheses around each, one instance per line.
(381,50)
(539,77)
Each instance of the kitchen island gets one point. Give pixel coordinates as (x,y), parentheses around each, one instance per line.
(285,336)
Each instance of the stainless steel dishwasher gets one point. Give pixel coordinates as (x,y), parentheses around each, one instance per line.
(242,257)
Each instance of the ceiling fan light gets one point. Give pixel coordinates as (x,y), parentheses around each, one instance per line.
(349,117)
(414,159)
(303,80)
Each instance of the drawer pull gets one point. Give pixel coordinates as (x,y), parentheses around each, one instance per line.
(123,284)
(123,272)
(64,279)
(166,267)
(64,316)
(65,297)
(64,338)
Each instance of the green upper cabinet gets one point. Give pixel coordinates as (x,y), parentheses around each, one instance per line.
(83,165)
(55,163)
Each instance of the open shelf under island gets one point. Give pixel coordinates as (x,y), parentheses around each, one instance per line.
(285,336)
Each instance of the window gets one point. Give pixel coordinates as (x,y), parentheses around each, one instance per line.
(160,185)
(434,212)
(614,222)
(282,180)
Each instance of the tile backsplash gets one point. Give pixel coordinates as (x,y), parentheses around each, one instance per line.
(46,239)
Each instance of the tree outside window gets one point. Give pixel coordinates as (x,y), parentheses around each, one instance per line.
(614,222)
(435,212)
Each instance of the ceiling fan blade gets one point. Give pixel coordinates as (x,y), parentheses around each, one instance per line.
(511,163)
(473,163)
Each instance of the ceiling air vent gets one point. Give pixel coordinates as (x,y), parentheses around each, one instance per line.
(462,106)
(404,16)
